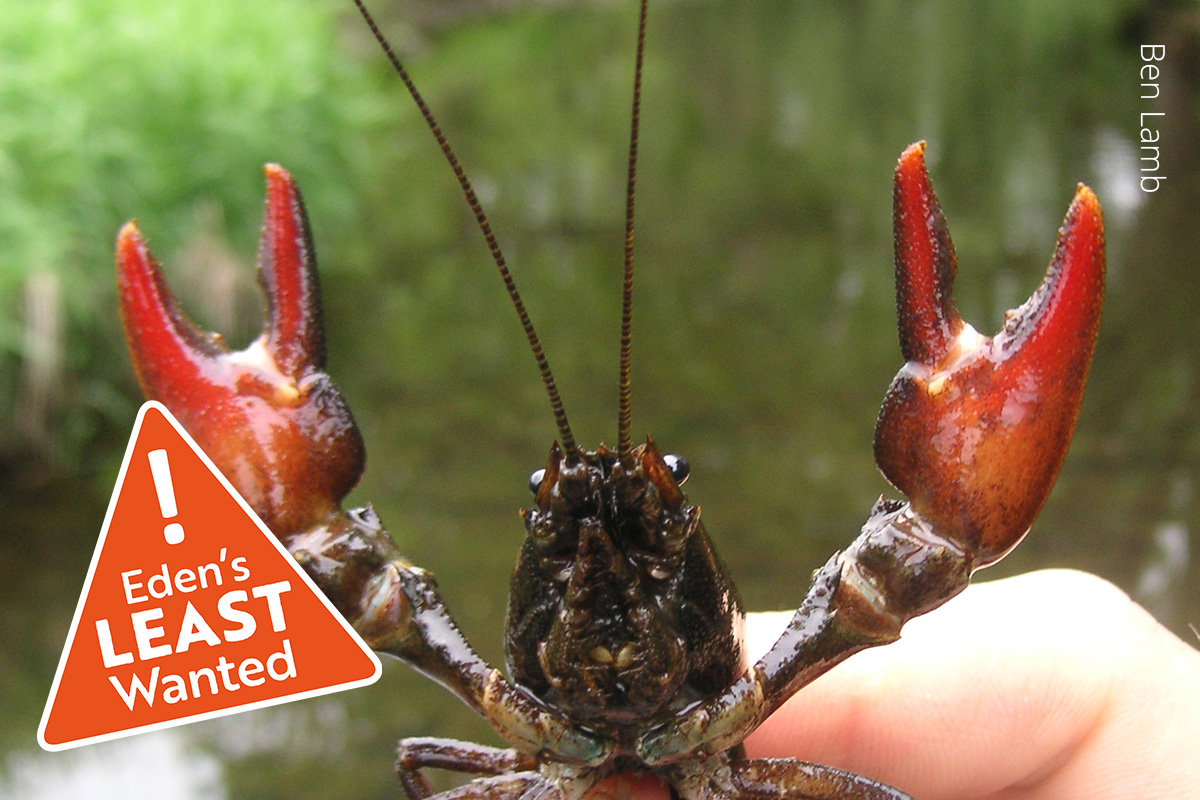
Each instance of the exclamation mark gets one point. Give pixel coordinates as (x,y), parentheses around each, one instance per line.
(161,471)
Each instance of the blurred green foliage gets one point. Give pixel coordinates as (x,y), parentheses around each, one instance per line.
(164,110)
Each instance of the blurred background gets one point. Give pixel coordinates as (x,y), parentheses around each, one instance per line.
(764,321)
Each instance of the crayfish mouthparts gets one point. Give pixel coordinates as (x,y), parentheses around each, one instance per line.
(974,429)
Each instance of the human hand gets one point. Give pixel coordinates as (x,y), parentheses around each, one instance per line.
(1048,685)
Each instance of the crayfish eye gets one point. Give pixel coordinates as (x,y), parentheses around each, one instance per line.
(680,469)
(535,480)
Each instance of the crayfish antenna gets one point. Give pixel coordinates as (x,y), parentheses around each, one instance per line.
(624,408)
(556,405)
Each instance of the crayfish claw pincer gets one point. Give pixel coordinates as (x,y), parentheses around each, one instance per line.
(974,429)
(269,416)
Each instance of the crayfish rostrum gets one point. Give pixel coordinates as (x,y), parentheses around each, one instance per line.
(624,648)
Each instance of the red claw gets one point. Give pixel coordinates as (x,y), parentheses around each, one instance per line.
(268,416)
(925,264)
(287,272)
(975,429)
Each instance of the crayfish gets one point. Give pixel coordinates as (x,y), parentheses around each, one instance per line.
(624,647)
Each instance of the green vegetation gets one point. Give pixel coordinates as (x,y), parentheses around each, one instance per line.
(116,108)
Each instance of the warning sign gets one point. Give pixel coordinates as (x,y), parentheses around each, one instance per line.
(191,608)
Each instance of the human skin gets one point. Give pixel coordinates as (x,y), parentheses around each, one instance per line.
(1052,684)
(1049,685)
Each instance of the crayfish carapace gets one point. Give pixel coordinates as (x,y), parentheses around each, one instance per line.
(623,646)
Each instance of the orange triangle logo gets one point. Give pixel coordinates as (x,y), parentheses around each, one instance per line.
(191,608)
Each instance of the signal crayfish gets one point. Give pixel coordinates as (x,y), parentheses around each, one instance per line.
(624,647)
